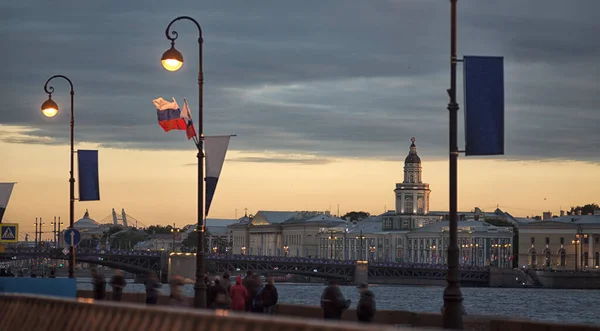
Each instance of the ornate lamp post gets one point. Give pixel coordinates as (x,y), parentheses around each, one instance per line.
(174,231)
(372,249)
(286,249)
(360,250)
(172,60)
(332,240)
(50,109)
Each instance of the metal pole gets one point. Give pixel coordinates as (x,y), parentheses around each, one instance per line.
(72,187)
(58,234)
(200,286)
(50,90)
(453,309)
(36,234)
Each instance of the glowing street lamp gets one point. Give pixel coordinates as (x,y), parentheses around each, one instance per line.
(172,60)
(50,109)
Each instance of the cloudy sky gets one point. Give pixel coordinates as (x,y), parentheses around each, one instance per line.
(315,91)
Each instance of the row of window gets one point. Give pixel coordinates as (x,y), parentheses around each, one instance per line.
(562,240)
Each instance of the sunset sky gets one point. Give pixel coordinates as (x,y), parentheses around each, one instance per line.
(322,95)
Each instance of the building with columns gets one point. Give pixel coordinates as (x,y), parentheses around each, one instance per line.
(480,243)
(570,242)
(282,233)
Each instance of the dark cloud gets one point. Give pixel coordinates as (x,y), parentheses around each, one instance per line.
(279,160)
(326,78)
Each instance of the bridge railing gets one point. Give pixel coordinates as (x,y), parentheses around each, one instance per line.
(27,312)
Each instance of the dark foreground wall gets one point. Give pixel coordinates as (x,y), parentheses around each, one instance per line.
(398,317)
(27,313)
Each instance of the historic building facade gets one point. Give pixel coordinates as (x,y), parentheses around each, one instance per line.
(570,242)
(410,233)
(282,233)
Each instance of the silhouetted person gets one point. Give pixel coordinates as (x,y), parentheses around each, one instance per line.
(99,285)
(252,286)
(365,310)
(117,282)
(217,296)
(226,284)
(176,297)
(52,274)
(152,286)
(333,302)
(239,295)
(269,296)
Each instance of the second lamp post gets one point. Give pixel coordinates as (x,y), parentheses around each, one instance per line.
(49,109)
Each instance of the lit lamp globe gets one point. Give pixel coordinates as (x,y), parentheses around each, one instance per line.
(49,108)
(172,59)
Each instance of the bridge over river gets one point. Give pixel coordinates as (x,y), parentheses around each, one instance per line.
(140,262)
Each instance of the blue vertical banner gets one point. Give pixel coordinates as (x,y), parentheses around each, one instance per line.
(484,105)
(87,168)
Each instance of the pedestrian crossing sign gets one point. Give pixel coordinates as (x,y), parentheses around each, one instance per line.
(9,232)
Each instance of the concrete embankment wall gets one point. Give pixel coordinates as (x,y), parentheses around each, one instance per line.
(397,317)
(27,313)
(501,277)
(568,280)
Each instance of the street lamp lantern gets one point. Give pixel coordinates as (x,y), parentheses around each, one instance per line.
(172,59)
(49,107)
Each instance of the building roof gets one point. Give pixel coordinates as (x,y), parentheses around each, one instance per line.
(569,219)
(86,222)
(214,225)
(371,224)
(319,218)
(412,156)
(272,217)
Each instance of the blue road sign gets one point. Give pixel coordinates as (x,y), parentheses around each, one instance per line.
(72,237)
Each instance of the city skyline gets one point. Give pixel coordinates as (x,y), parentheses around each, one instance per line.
(323,107)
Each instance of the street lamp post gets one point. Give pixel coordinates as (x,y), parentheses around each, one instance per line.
(50,109)
(172,60)
(173,231)
(453,309)
(360,250)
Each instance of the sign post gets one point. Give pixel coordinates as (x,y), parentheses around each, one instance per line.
(9,232)
(72,237)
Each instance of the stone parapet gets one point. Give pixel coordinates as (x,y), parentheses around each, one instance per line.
(398,317)
(21,312)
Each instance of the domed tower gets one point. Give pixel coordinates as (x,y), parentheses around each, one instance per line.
(412,195)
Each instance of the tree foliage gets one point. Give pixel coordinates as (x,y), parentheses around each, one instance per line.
(158,229)
(585,209)
(190,243)
(356,216)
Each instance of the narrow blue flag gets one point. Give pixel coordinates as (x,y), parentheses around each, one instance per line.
(89,184)
(484,105)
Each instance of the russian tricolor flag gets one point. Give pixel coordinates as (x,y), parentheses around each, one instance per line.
(169,115)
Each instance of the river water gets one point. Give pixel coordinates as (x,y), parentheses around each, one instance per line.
(565,306)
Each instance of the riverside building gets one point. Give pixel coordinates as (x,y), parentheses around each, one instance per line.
(410,233)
